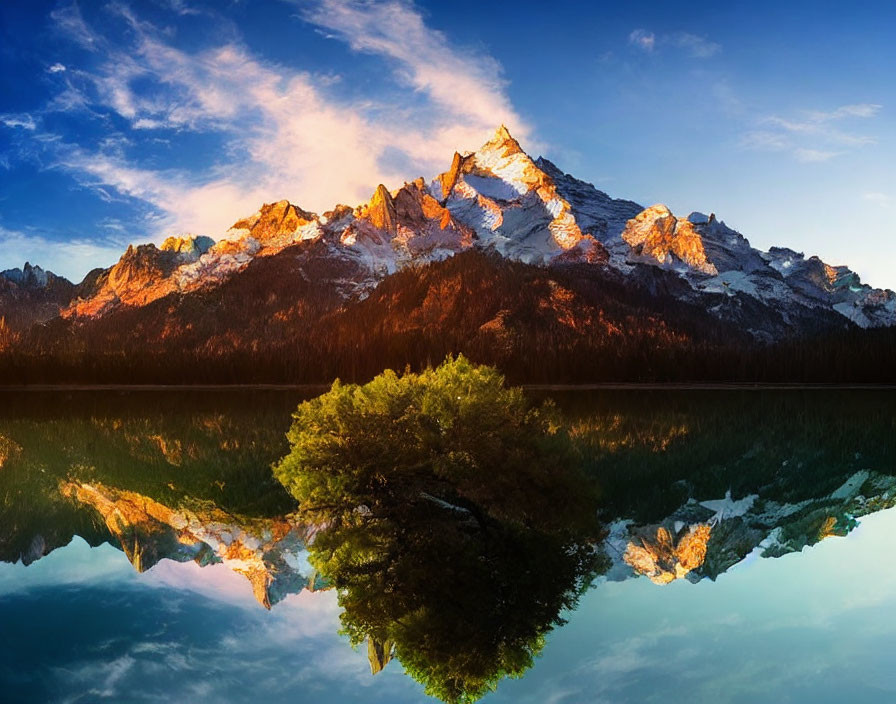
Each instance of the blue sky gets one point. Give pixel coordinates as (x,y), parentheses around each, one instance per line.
(126,121)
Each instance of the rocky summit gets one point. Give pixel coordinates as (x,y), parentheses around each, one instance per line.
(693,275)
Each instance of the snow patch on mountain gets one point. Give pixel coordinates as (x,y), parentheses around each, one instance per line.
(499,198)
(511,203)
(29,276)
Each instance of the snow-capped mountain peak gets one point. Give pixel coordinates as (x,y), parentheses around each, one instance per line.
(509,201)
(501,199)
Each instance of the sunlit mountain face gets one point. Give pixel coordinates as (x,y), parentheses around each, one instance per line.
(503,257)
(669,488)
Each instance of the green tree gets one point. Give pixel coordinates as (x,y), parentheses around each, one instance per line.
(456,524)
(454,432)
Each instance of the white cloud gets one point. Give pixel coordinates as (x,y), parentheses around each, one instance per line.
(642,39)
(181,7)
(697,46)
(764,140)
(56,68)
(286,137)
(71,23)
(466,83)
(23,120)
(857,110)
(882,199)
(814,136)
(146,123)
(819,128)
(812,156)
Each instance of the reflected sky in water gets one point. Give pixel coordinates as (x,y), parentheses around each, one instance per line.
(82,625)
(191,480)
(809,626)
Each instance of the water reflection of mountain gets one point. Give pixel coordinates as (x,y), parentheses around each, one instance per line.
(694,482)
(705,539)
(269,552)
(689,484)
(814,460)
(182,476)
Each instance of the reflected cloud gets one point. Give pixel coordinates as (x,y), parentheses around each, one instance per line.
(186,493)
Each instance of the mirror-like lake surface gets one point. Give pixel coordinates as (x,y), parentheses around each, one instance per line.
(744,555)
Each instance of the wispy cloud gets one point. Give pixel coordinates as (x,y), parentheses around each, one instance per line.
(694,45)
(642,39)
(423,58)
(884,200)
(814,135)
(814,156)
(697,46)
(182,7)
(819,128)
(857,110)
(286,135)
(764,140)
(22,120)
(71,23)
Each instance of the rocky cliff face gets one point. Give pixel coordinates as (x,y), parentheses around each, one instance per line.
(511,203)
(397,228)
(668,555)
(659,236)
(142,275)
(834,286)
(495,198)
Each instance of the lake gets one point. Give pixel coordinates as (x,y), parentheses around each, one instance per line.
(744,554)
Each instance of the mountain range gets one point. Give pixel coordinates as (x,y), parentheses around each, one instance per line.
(502,257)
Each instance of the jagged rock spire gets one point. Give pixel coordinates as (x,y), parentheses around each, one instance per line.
(502,140)
(449,179)
(381,210)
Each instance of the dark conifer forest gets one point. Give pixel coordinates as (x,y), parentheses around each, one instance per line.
(286,320)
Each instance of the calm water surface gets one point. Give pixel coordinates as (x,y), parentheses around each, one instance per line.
(147,554)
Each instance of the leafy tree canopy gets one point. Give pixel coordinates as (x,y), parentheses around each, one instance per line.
(454,432)
(455,522)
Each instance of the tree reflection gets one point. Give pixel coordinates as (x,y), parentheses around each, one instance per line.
(457,528)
